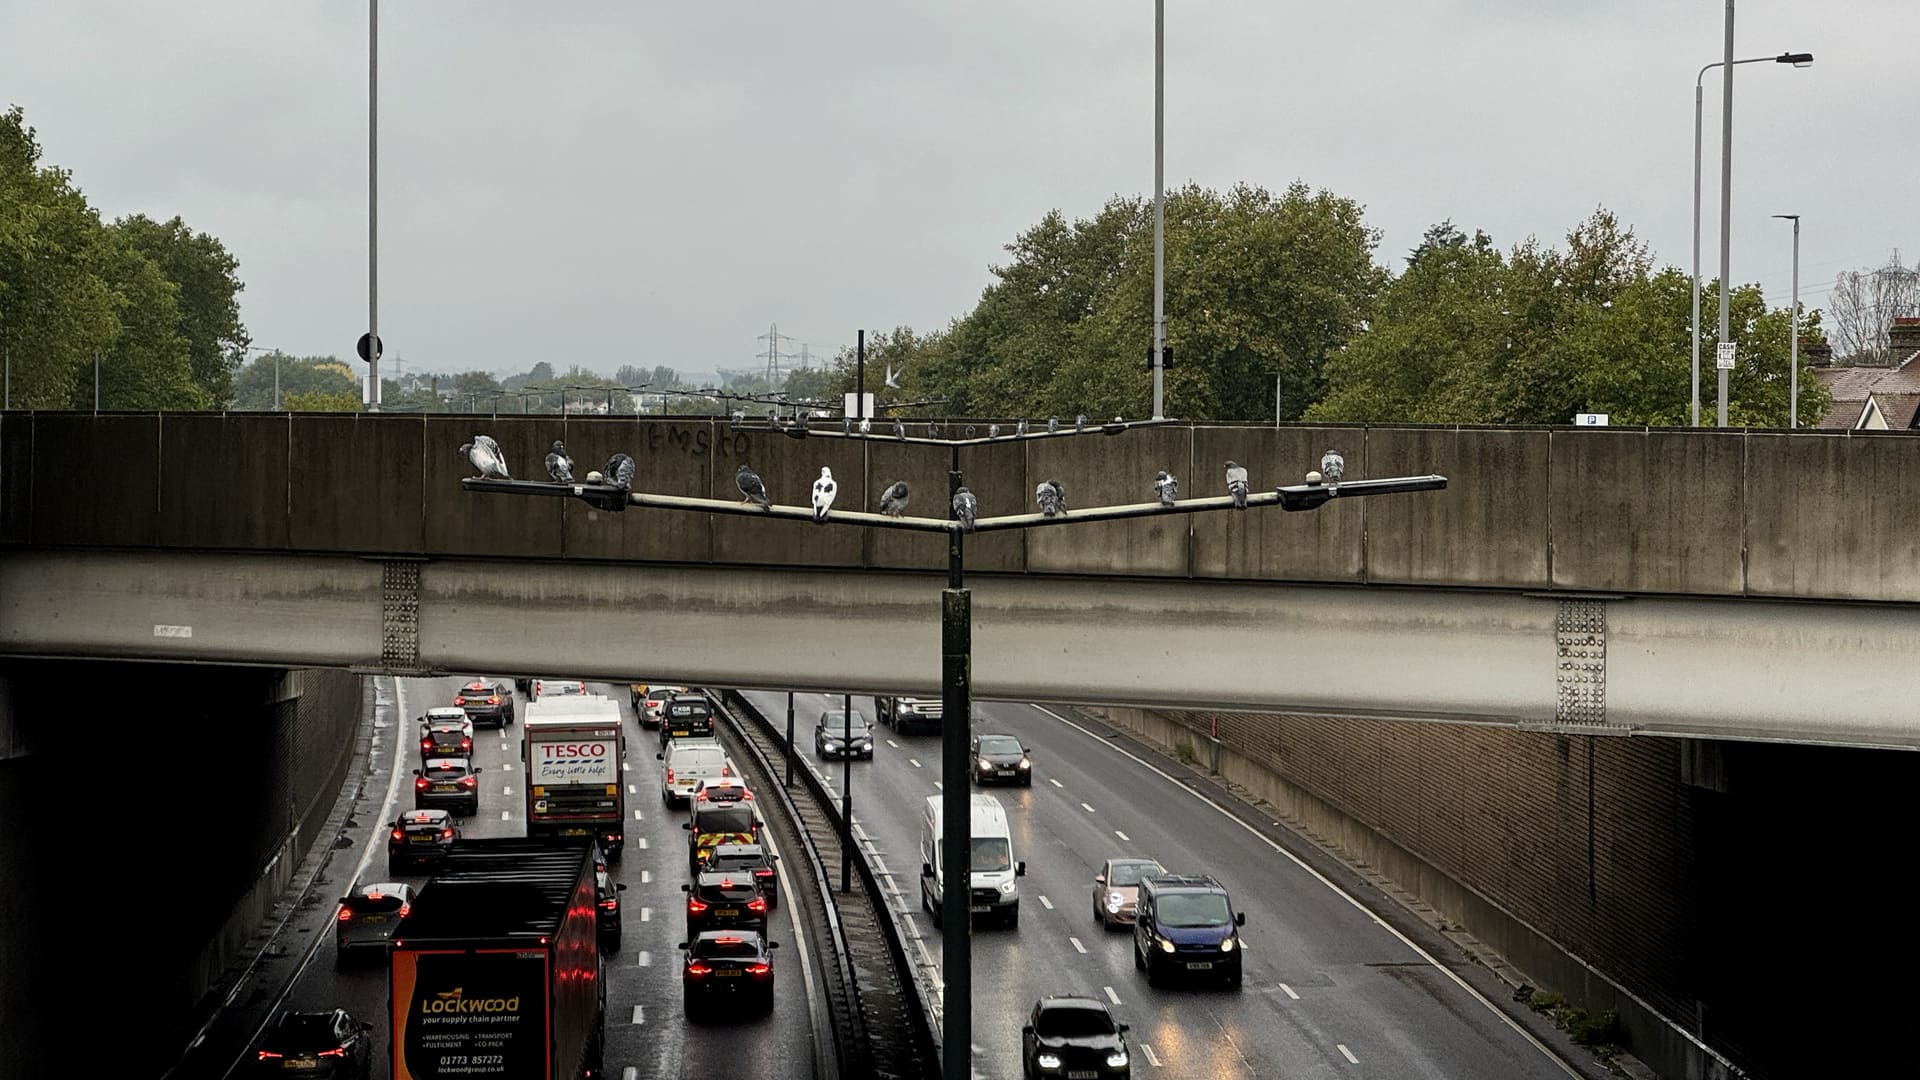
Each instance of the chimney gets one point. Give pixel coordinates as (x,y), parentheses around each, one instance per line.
(1818,353)
(1903,339)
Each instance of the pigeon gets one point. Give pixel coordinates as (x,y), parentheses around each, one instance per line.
(866,425)
(893,378)
(1332,466)
(1053,424)
(1020,428)
(485,455)
(899,428)
(595,476)
(739,415)
(620,472)
(894,499)
(1051,497)
(1237,485)
(970,430)
(1080,422)
(824,489)
(993,431)
(846,425)
(964,507)
(1167,486)
(751,486)
(559,465)
(933,428)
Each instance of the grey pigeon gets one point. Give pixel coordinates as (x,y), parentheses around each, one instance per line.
(1053,424)
(933,428)
(965,506)
(993,431)
(1051,497)
(894,499)
(1080,422)
(559,465)
(969,432)
(485,455)
(846,425)
(1237,485)
(752,487)
(1020,428)
(899,428)
(620,472)
(1167,486)
(824,489)
(1332,467)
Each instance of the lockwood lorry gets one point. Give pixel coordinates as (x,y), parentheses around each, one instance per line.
(574,749)
(495,972)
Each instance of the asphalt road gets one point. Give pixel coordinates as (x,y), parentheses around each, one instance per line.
(646,1033)
(1329,989)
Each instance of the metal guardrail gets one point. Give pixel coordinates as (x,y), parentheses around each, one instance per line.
(902,1003)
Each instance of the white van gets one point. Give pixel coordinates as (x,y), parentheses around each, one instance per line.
(993,891)
(689,761)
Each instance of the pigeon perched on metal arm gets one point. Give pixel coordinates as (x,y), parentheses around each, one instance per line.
(485,455)
(1167,487)
(1332,467)
(620,472)
(1051,498)
(893,501)
(824,489)
(1237,485)
(559,465)
(965,506)
(752,487)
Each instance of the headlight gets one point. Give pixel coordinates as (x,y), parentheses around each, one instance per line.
(1227,945)
(1114,900)
(1117,1058)
(1165,945)
(985,764)
(1008,888)
(1047,1061)
(1025,764)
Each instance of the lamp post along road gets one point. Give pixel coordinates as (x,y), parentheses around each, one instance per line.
(373,205)
(956,650)
(1793,339)
(1159,209)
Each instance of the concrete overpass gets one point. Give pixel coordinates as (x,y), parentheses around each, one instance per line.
(1721,584)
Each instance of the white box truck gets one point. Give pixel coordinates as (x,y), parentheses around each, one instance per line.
(574,751)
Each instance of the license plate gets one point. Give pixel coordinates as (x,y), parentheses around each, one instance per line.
(726,912)
(1003,772)
(373,918)
(679,732)
(573,832)
(981,908)
(303,1063)
(1082,1074)
(444,787)
(1200,965)
(727,972)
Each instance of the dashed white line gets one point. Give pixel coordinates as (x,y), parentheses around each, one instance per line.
(1055,783)
(1346,1053)
(646,914)
(1088,809)
(1046,903)
(940,785)
(633,789)
(893,744)
(646,958)
(506,815)
(646,876)
(639,1014)
(1111,996)
(503,747)
(1123,836)
(915,762)
(1077,947)
(1151,1058)
(638,816)
(1288,990)
(508,790)
(643,843)
(631,1072)
(626,766)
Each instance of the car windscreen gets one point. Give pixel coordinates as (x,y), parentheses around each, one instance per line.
(992,853)
(1072,1023)
(660,695)
(735,862)
(999,744)
(451,728)
(1192,909)
(304,1032)
(361,903)
(688,709)
(725,947)
(839,724)
(444,772)
(1132,873)
(723,819)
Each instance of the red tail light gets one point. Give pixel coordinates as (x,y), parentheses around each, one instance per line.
(399,834)
(695,969)
(726,883)
(447,834)
(493,701)
(726,941)
(469,781)
(759,969)
(763,873)
(757,905)
(609,905)
(426,746)
(669,776)
(695,905)
(420,784)
(268,1055)
(459,701)
(404,908)
(725,771)
(344,915)
(466,743)
(338,1051)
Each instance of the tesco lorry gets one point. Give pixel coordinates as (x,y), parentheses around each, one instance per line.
(574,751)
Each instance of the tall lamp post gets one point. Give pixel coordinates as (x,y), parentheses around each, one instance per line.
(1798,60)
(1158,360)
(373,205)
(1793,361)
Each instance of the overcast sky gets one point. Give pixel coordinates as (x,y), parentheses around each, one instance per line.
(609,182)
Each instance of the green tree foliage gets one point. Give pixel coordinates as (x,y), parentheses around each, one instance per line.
(305,375)
(322,401)
(147,366)
(209,300)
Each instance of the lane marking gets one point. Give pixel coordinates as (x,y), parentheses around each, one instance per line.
(1423,954)
(506,815)
(915,762)
(1111,996)
(639,1014)
(1123,836)
(1077,947)
(637,816)
(631,1072)
(633,789)
(1346,1053)
(1288,990)
(1055,783)
(646,914)
(508,790)
(1089,809)
(643,843)
(646,958)
(1046,903)
(940,785)
(893,744)
(626,766)
(1151,1058)
(646,877)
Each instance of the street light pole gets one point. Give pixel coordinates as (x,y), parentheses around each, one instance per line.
(1793,356)
(846,793)
(956,803)
(1159,209)
(373,205)
(1726,210)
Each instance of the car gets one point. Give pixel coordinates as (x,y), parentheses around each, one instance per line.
(367,918)
(752,859)
(1001,759)
(714,823)
(327,1044)
(491,703)
(419,837)
(721,789)
(442,736)
(724,900)
(725,966)
(1186,925)
(557,688)
(907,715)
(650,705)
(836,734)
(687,762)
(450,782)
(686,716)
(1073,1037)
(1116,889)
(525,686)
(607,921)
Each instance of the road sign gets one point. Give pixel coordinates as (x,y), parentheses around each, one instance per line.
(368,344)
(1723,356)
(1591,419)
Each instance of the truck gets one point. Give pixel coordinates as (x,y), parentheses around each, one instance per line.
(575,751)
(495,971)
(907,715)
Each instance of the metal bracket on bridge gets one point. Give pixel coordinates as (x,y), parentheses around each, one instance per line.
(1580,640)
(400,616)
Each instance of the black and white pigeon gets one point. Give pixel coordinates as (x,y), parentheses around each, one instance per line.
(894,500)
(752,487)
(1053,424)
(1332,467)
(1080,422)
(1051,497)
(824,489)
(899,428)
(866,425)
(1237,485)
(559,465)
(620,472)
(1167,486)
(993,431)
(1020,428)
(965,506)
(485,455)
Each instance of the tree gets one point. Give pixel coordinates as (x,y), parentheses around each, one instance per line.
(209,297)
(1864,304)
(327,375)
(147,366)
(322,401)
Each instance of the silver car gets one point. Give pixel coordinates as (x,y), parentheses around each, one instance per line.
(368,917)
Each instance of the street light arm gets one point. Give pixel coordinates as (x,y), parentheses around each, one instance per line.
(1796,59)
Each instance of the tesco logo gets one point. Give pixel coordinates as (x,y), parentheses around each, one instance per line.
(573,750)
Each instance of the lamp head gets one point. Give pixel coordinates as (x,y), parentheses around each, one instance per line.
(1797,59)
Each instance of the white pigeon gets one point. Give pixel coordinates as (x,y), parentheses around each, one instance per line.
(559,465)
(866,425)
(894,499)
(824,489)
(485,455)
(1332,467)
(993,431)
(1167,487)
(892,378)
(1237,485)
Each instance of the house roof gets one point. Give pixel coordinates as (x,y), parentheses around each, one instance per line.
(1895,391)
(1844,415)
(1898,408)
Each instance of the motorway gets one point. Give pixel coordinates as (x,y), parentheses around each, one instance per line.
(1329,990)
(646,1034)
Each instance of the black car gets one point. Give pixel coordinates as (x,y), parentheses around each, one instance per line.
(329,1044)
(837,734)
(453,783)
(419,837)
(1000,759)
(607,922)
(1073,1037)
(686,716)
(727,968)
(486,703)
(1187,926)
(443,737)
(752,859)
(724,900)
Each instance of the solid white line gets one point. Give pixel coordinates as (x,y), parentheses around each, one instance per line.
(1288,990)
(1046,903)
(1346,1053)
(1089,809)
(646,914)
(1337,891)
(1151,1059)
(646,876)
(799,940)
(631,1072)
(915,762)
(639,1014)
(1111,996)
(646,958)
(1079,948)
(1123,836)
(506,815)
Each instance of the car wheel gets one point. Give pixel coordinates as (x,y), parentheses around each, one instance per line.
(340,960)
(1027,781)
(666,796)
(1138,964)
(939,921)
(688,1009)
(1012,921)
